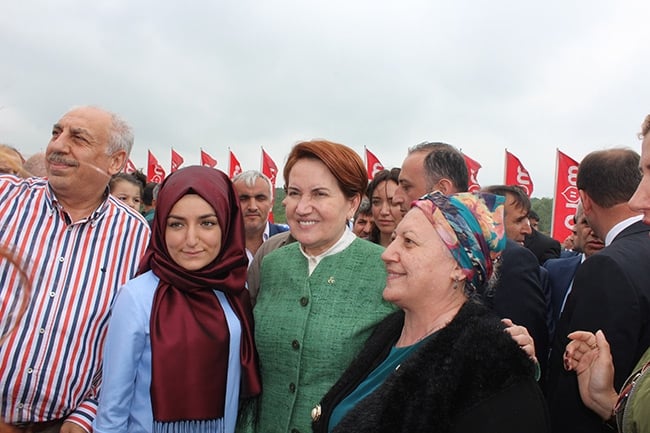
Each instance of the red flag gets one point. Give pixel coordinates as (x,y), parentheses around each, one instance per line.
(234,167)
(155,171)
(270,170)
(268,167)
(372,164)
(129,167)
(566,196)
(177,160)
(516,174)
(207,160)
(472,169)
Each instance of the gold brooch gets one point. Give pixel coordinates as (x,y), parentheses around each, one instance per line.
(330,280)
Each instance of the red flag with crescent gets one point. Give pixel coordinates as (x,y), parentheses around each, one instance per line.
(234,167)
(472,169)
(270,170)
(129,167)
(177,160)
(268,167)
(516,174)
(207,160)
(155,171)
(373,165)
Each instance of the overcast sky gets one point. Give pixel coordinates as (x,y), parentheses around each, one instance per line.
(482,75)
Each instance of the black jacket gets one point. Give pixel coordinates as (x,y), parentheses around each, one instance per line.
(519,295)
(611,292)
(544,247)
(469,377)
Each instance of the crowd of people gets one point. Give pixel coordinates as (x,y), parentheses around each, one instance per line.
(405,303)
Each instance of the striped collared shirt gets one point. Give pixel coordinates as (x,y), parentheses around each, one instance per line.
(50,362)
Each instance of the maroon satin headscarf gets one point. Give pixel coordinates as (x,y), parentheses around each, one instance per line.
(189,332)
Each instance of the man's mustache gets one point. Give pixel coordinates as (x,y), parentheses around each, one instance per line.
(58,158)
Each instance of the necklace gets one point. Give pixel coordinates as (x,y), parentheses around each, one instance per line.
(431,331)
(426,334)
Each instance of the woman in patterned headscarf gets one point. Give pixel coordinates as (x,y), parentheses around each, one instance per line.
(443,363)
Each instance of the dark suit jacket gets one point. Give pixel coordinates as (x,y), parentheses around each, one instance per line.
(568,253)
(274,229)
(560,274)
(519,295)
(544,247)
(611,291)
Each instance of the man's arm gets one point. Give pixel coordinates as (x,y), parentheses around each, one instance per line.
(519,296)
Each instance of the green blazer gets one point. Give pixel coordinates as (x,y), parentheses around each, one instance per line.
(308,328)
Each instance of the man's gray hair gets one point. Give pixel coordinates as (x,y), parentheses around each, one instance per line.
(250,176)
(121,135)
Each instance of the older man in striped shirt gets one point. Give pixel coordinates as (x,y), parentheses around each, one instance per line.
(78,245)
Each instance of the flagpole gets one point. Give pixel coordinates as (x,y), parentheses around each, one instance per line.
(229,162)
(365,156)
(557,168)
(505,168)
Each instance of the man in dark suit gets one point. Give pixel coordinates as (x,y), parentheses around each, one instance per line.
(611,290)
(544,247)
(256,200)
(562,270)
(518,295)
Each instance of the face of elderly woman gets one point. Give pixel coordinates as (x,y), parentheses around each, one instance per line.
(419,265)
(192,234)
(316,208)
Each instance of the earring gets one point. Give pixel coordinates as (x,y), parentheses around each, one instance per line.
(456,281)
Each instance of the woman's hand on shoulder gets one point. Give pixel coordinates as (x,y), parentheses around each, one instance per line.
(522,338)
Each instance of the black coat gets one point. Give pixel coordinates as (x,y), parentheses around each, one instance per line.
(469,377)
(544,247)
(611,291)
(519,296)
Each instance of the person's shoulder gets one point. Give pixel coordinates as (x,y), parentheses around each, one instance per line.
(143,284)
(279,245)
(11,182)
(561,262)
(634,236)
(275,229)
(485,334)
(276,241)
(565,254)
(120,208)
(18,195)
(547,239)
(365,245)
(517,252)
(476,334)
(363,254)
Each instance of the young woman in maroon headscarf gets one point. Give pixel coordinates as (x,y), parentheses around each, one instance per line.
(180,352)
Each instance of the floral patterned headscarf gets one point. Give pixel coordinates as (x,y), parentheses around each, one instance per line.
(471,225)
